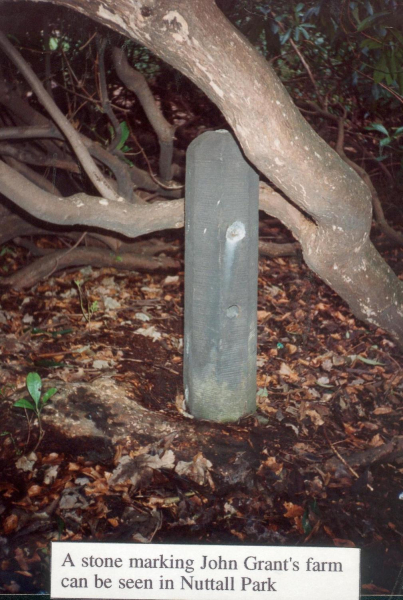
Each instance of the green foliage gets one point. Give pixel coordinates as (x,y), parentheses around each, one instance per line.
(392,138)
(353,43)
(38,400)
(6,250)
(124,134)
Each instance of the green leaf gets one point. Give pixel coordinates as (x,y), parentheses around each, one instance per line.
(380,69)
(355,14)
(378,127)
(284,38)
(124,134)
(368,21)
(93,307)
(385,141)
(48,394)
(371,44)
(393,69)
(53,43)
(34,385)
(22,403)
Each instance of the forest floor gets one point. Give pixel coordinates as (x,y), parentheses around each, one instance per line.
(327,388)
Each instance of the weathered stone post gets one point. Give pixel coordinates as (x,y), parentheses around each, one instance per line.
(221,268)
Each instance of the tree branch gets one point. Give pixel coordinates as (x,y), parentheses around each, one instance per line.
(81,209)
(275,205)
(71,134)
(137,83)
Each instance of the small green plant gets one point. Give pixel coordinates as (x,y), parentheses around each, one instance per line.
(87,308)
(34,386)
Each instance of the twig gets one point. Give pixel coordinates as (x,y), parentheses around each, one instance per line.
(343,460)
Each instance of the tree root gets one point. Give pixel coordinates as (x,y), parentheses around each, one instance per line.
(96,257)
(389,452)
(106,411)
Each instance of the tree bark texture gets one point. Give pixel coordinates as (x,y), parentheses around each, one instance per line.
(196,38)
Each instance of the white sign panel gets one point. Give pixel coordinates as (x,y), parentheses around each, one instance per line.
(175,572)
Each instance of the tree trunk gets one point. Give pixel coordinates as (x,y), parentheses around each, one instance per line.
(196,38)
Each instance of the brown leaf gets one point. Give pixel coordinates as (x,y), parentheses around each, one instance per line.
(10,523)
(383,410)
(273,465)
(293,510)
(315,417)
(34,490)
(376,441)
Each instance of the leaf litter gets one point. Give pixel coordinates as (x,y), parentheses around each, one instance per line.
(321,462)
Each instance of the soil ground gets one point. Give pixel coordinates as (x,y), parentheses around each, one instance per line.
(327,387)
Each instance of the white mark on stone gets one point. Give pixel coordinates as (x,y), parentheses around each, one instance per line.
(104,202)
(235,233)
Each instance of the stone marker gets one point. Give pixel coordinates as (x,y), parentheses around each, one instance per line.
(221,268)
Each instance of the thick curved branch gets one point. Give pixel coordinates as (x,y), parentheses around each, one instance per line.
(137,83)
(71,134)
(122,217)
(127,219)
(275,205)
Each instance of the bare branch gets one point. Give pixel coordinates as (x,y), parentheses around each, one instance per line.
(137,83)
(35,158)
(71,134)
(122,217)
